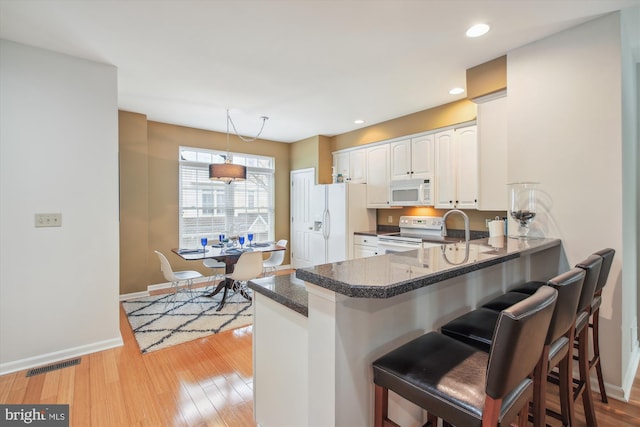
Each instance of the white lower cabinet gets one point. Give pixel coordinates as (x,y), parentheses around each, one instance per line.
(365,246)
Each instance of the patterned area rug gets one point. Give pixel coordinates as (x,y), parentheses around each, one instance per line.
(158,323)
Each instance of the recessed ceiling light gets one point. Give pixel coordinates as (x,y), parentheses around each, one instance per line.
(478,30)
(456,91)
(358,122)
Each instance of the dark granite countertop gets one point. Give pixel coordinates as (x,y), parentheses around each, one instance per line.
(384,276)
(285,289)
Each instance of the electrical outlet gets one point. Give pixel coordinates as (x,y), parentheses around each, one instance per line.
(48,220)
(390,219)
(486,222)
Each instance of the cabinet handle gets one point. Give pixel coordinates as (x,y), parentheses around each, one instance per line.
(408,172)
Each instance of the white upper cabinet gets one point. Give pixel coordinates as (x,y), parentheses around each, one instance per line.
(467,168)
(352,165)
(358,166)
(412,158)
(378,166)
(492,145)
(341,163)
(456,168)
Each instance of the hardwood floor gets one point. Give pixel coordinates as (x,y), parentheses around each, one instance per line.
(207,382)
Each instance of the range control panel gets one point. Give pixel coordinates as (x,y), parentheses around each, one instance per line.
(421,222)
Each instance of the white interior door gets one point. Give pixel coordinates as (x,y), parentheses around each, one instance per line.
(301,221)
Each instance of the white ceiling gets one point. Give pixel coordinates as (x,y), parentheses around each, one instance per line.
(311,66)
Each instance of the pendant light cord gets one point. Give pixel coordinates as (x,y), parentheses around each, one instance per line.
(229,120)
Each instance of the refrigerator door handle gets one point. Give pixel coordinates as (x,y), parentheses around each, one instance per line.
(326,229)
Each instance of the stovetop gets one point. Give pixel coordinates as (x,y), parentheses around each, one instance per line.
(418,228)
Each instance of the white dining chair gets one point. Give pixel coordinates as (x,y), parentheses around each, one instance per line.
(275,259)
(214,264)
(175,277)
(249,266)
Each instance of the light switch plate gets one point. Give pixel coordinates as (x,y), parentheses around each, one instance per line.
(48,220)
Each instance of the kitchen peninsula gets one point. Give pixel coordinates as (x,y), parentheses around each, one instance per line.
(313,367)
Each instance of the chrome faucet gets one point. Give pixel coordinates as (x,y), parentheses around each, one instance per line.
(466,223)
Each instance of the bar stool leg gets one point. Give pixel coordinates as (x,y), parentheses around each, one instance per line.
(583,367)
(540,388)
(381,408)
(596,355)
(566,389)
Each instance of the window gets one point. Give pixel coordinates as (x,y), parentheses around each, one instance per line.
(208,208)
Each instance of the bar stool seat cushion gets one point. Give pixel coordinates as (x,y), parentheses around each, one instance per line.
(474,328)
(451,381)
(528,288)
(505,300)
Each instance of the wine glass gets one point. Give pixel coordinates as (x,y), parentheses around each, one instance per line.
(241,240)
(523,205)
(250,237)
(203,242)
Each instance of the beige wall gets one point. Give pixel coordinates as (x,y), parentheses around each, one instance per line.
(487,78)
(134,201)
(313,152)
(156,227)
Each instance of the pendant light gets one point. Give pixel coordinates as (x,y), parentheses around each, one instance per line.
(228,172)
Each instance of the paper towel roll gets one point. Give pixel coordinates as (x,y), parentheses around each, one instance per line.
(496,242)
(496,228)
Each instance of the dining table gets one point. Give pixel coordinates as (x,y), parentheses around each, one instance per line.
(230,256)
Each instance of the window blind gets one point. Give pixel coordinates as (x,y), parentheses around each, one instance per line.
(209,208)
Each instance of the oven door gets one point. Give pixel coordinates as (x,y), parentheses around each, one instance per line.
(389,245)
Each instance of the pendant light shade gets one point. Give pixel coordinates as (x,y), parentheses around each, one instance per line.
(227,172)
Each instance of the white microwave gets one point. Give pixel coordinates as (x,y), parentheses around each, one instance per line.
(411,192)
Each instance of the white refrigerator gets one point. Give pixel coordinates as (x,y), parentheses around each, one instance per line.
(338,210)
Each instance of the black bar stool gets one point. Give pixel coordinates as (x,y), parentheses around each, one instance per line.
(463,385)
(607,259)
(477,328)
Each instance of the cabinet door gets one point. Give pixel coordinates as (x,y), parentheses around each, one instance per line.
(467,168)
(341,163)
(445,189)
(358,166)
(378,176)
(422,152)
(360,251)
(400,159)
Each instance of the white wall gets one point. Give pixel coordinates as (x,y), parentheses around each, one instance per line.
(565,130)
(58,153)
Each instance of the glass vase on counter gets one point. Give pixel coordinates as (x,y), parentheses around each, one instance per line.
(522,206)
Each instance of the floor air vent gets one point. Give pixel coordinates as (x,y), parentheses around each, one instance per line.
(53,367)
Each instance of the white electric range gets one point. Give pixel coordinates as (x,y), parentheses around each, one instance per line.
(415,232)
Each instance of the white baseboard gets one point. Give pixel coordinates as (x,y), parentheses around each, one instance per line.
(167,285)
(134,295)
(630,372)
(57,356)
(622,392)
